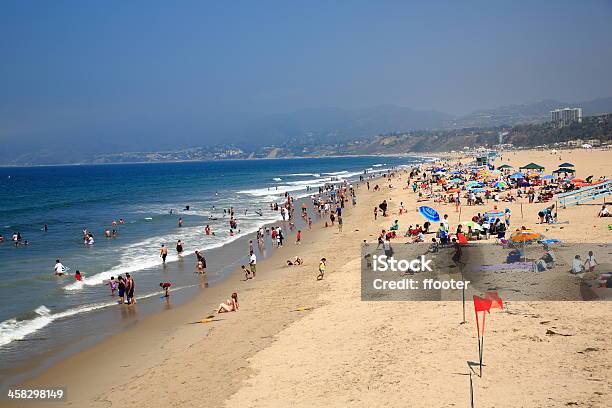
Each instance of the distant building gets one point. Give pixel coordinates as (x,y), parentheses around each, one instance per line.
(566,116)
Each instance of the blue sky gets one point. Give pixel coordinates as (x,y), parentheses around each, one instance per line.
(134,68)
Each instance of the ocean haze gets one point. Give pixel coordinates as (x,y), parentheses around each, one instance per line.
(82,79)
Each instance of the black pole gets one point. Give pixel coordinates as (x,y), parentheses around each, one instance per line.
(481,351)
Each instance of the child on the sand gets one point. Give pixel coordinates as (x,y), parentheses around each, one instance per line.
(246,272)
(321,268)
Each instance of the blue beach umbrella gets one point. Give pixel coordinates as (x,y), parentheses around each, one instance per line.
(479,190)
(429,213)
(547,177)
(518,175)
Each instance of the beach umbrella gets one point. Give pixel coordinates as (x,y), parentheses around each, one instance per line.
(580,184)
(547,177)
(429,213)
(474,225)
(453,190)
(504,166)
(479,190)
(456,180)
(472,183)
(566,165)
(517,175)
(549,241)
(501,184)
(525,236)
(494,214)
(577,180)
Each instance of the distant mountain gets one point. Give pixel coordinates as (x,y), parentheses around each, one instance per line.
(336,124)
(531,113)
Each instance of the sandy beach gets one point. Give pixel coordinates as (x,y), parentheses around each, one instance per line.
(301,342)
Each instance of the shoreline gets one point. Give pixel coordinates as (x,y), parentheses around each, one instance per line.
(310,343)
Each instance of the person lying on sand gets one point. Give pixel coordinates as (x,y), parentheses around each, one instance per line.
(296,261)
(230,305)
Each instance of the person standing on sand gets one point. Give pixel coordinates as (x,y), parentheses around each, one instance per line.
(321,269)
(375,213)
(298,238)
(163,253)
(253,263)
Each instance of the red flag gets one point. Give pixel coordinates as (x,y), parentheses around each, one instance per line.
(496,301)
(482,305)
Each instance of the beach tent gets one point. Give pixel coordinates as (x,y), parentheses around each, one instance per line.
(559,171)
(532,166)
(566,165)
(504,167)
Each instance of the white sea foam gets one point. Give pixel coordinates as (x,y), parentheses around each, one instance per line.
(145,254)
(13,329)
(277,179)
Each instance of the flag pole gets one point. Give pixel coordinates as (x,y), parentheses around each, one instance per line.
(481,343)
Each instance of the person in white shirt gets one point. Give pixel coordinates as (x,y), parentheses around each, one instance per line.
(604,212)
(59,268)
(253,263)
(577,266)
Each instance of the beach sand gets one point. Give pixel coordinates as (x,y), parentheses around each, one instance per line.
(301,342)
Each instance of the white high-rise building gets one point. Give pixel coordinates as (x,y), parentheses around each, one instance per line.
(565,116)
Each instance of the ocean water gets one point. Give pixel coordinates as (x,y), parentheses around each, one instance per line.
(70,198)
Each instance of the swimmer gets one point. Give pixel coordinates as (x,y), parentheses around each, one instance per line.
(59,268)
(77,276)
(179,247)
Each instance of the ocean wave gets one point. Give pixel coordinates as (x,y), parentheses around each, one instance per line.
(277,179)
(14,329)
(145,254)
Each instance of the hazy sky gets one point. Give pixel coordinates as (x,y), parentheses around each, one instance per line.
(134,68)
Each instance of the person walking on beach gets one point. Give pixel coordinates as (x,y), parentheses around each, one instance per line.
(298,237)
(200,262)
(179,247)
(321,268)
(130,290)
(253,263)
(163,253)
(112,283)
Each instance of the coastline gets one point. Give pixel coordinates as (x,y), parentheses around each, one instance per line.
(342,351)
